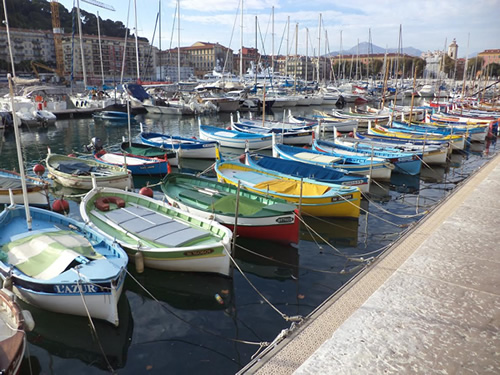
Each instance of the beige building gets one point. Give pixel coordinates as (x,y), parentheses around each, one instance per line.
(112,59)
(27,45)
(207,57)
(36,45)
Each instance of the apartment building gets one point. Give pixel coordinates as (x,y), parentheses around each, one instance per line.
(38,45)
(27,45)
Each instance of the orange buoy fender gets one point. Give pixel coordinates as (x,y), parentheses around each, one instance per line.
(102,203)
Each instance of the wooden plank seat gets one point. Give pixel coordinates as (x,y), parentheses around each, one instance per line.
(198,197)
(153,226)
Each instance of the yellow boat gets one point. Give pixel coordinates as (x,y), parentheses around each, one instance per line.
(457,141)
(312,198)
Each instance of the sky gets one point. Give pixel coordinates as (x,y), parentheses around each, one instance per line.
(428,25)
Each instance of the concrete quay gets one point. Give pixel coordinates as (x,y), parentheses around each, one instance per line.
(429,305)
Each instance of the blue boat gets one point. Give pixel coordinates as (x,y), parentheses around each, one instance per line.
(473,132)
(185,147)
(405,162)
(298,135)
(375,167)
(61,265)
(138,165)
(235,139)
(304,170)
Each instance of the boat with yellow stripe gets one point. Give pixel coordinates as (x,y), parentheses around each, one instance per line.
(312,197)
(457,141)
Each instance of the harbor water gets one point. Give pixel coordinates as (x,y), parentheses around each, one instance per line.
(179,323)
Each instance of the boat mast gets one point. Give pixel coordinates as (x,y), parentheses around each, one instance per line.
(8,39)
(136,43)
(296,58)
(307,55)
(241,43)
(100,48)
(319,46)
(84,72)
(178,43)
(272,46)
(159,38)
(465,66)
(19,153)
(287,47)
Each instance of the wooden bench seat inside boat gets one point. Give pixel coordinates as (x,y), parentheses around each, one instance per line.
(154,226)
(198,197)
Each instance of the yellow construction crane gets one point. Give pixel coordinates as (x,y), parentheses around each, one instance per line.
(57,31)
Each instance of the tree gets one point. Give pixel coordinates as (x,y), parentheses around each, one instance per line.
(474,65)
(493,70)
(448,66)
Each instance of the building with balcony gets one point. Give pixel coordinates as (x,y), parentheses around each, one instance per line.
(28,45)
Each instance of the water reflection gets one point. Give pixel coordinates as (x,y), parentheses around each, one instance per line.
(69,336)
(267,260)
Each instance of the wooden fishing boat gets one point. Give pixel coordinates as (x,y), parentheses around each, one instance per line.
(235,139)
(361,117)
(159,235)
(325,123)
(78,173)
(431,154)
(61,265)
(404,162)
(14,323)
(306,170)
(374,167)
(185,147)
(292,135)
(11,181)
(313,198)
(261,217)
(137,165)
(456,141)
(141,149)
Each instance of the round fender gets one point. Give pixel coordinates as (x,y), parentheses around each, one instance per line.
(102,203)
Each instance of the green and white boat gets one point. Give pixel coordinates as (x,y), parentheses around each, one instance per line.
(162,236)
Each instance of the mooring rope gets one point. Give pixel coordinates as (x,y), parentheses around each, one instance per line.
(92,326)
(204,330)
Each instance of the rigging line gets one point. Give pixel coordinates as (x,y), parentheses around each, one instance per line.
(343,272)
(204,330)
(339,253)
(230,40)
(284,316)
(389,212)
(195,344)
(92,326)
(173,26)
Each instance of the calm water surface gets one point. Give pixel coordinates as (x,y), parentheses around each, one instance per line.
(172,322)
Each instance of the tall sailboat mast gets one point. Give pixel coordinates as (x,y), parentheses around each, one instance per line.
(8,39)
(84,71)
(178,43)
(241,43)
(136,43)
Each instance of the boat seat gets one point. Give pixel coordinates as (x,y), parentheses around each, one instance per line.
(153,226)
(198,197)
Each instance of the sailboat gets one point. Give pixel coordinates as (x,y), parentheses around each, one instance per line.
(57,263)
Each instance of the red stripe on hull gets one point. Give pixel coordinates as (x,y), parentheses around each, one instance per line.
(284,233)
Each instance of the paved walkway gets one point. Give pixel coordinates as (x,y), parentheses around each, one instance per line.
(431,305)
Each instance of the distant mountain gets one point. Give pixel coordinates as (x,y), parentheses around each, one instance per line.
(364,48)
